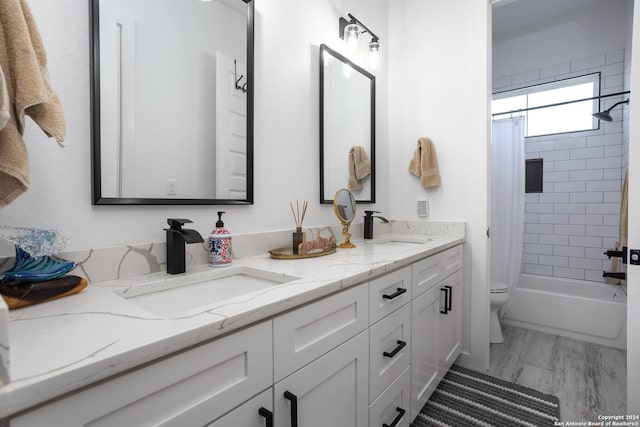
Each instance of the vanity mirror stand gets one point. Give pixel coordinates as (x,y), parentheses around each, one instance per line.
(344,206)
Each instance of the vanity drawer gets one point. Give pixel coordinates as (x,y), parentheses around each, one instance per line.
(451,260)
(190,388)
(426,274)
(388,293)
(390,350)
(393,403)
(307,333)
(430,271)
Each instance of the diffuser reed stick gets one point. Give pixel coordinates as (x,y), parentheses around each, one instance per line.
(299,218)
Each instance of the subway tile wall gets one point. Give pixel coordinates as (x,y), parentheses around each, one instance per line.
(575,219)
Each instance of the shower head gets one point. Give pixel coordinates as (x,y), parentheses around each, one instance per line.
(604,115)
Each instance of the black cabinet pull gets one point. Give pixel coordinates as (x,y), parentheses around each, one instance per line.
(268,416)
(397,419)
(294,407)
(397,293)
(446,293)
(449,296)
(395,351)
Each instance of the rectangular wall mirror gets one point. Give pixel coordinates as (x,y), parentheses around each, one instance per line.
(172,101)
(347,128)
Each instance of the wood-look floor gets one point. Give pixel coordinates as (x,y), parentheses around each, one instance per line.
(589,379)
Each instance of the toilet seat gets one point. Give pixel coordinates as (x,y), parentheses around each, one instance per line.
(498,287)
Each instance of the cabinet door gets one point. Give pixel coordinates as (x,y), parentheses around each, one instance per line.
(390,347)
(188,389)
(307,333)
(253,413)
(425,311)
(393,404)
(450,333)
(331,391)
(388,293)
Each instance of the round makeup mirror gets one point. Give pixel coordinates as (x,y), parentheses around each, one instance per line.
(344,206)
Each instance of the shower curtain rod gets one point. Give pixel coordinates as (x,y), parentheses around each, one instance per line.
(560,103)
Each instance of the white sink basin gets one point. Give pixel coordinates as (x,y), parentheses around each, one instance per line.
(176,296)
(407,242)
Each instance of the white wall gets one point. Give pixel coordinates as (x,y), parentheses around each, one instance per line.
(438,87)
(286,130)
(591,32)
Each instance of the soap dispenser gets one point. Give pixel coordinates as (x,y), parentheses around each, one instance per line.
(219,245)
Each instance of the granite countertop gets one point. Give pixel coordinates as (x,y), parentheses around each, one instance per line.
(69,343)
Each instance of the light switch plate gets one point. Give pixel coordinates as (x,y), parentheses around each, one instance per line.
(172,187)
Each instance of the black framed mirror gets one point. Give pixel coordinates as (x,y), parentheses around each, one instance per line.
(347,128)
(172,102)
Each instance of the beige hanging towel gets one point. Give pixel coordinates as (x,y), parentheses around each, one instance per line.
(425,163)
(24,63)
(623,228)
(359,167)
(5,105)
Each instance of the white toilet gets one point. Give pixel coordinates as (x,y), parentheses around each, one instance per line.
(500,295)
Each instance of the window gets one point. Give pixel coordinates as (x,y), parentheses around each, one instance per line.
(572,117)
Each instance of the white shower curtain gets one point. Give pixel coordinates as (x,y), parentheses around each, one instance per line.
(507,199)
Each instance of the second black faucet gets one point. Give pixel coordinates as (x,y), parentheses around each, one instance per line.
(368,223)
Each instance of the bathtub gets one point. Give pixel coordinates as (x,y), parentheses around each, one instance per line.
(588,311)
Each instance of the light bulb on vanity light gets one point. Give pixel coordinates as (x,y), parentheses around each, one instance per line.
(351,38)
(374,54)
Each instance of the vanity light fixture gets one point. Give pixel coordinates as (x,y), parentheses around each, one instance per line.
(349,30)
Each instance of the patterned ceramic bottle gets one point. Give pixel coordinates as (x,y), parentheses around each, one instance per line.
(219,245)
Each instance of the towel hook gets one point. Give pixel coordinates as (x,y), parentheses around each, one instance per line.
(243,88)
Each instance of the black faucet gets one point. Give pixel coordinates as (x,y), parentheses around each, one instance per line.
(368,223)
(177,237)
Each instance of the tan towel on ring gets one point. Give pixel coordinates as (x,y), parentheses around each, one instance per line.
(623,229)
(24,63)
(359,167)
(425,163)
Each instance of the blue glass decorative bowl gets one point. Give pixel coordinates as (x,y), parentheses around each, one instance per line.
(29,269)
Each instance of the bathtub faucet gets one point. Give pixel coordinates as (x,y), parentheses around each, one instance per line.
(620,276)
(619,254)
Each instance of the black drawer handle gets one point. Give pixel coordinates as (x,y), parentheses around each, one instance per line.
(397,419)
(401,345)
(446,294)
(294,407)
(268,416)
(397,293)
(450,297)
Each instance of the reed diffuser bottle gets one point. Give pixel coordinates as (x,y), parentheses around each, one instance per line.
(298,235)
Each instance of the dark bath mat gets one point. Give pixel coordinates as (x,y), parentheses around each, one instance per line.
(469,398)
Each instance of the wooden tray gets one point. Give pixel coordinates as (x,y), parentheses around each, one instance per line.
(287,253)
